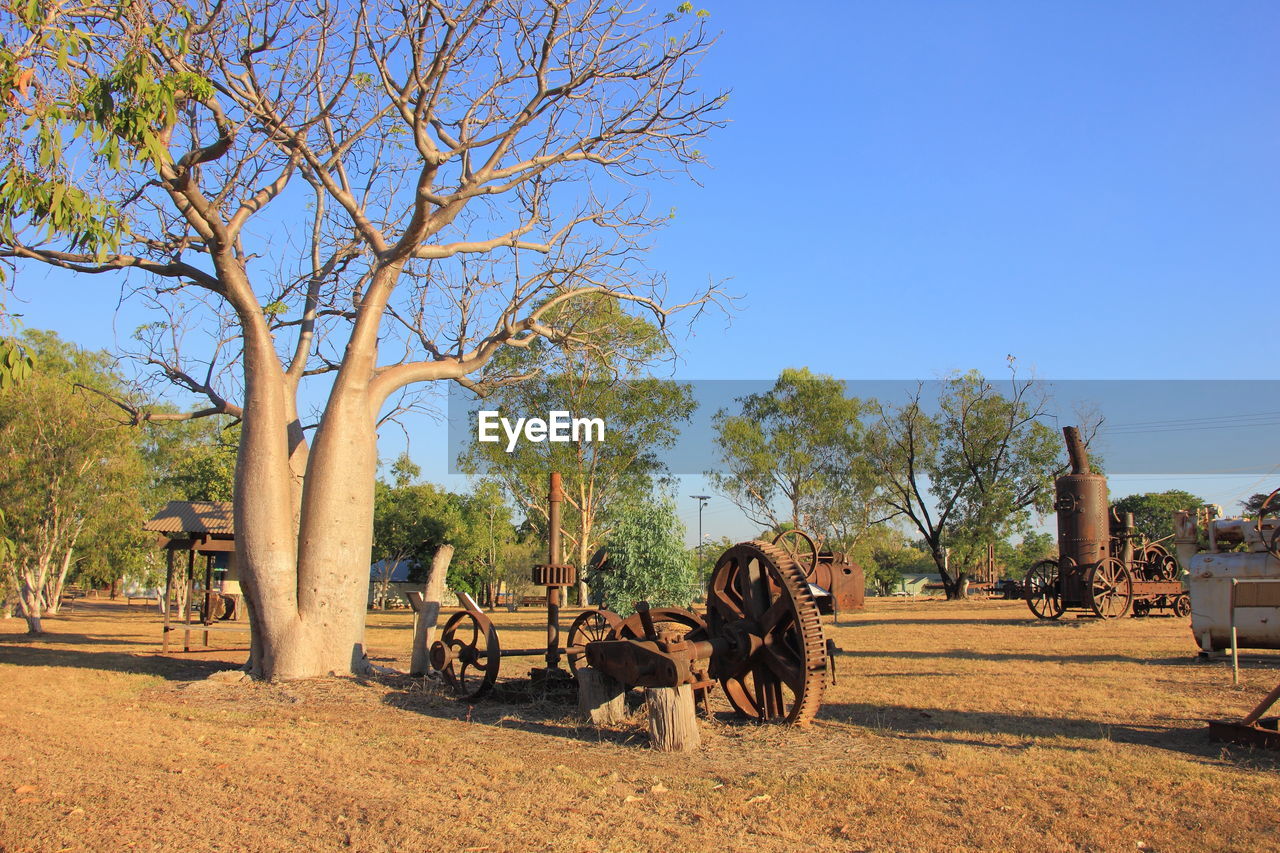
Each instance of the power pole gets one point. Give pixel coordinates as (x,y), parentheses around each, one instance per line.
(702,502)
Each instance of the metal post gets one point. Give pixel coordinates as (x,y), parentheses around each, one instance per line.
(1235,647)
(702,502)
(554,500)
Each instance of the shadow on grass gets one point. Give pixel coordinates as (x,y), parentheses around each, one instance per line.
(1034,657)
(169,668)
(59,637)
(848,621)
(521,705)
(948,726)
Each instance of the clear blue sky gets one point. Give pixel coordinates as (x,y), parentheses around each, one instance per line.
(912,188)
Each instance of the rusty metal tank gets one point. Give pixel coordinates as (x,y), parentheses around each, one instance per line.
(1084,524)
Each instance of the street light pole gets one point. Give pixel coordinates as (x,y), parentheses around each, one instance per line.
(702,502)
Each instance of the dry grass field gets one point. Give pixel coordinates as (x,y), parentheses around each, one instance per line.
(953,726)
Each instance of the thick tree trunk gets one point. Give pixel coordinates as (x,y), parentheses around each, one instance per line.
(29,597)
(306,570)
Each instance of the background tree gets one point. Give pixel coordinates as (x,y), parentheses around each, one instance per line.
(1253,505)
(381,195)
(1153,511)
(794,455)
(642,416)
(412,520)
(972,472)
(67,467)
(193,460)
(646,559)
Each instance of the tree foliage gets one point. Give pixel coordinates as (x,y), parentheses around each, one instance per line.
(641,415)
(1153,511)
(971,472)
(646,559)
(798,446)
(412,520)
(70,472)
(1254,504)
(365,195)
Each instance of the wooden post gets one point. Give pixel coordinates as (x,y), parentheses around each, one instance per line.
(673,725)
(424,626)
(601,699)
(188,598)
(168,588)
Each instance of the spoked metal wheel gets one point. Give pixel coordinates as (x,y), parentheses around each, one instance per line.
(468,653)
(801,548)
(776,667)
(1110,589)
(1182,606)
(590,626)
(1043,591)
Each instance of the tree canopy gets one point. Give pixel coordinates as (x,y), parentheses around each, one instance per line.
(798,447)
(971,472)
(1153,511)
(641,415)
(365,195)
(645,559)
(70,471)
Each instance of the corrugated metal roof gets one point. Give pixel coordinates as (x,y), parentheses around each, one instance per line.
(193,517)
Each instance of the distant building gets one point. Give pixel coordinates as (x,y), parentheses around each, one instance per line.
(916,584)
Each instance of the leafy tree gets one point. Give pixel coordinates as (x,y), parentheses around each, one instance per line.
(971,473)
(798,446)
(1253,505)
(377,195)
(68,469)
(646,559)
(1153,511)
(194,460)
(641,416)
(412,520)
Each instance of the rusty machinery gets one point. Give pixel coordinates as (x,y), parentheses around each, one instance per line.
(837,583)
(1104,565)
(760,639)
(469,653)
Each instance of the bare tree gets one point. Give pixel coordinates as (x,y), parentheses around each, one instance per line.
(377,195)
(971,472)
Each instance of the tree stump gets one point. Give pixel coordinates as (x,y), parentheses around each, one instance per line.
(424,626)
(601,699)
(673,724)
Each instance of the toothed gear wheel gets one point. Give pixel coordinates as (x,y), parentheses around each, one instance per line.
(777,669)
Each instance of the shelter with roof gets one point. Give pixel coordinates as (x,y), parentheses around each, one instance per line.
(205,529)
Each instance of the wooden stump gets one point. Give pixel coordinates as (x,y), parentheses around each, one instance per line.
(424,624)
(673,724)
(601,699)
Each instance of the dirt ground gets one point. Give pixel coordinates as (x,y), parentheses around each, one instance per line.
(953,726)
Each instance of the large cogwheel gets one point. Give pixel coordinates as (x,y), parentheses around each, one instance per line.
(758,596)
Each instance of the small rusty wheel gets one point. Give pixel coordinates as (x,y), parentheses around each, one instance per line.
(1141,607)
(468,653)
(801,548)
(591,625)
(1158,564)
(776,667)
(1041,589)
(1110,589)
(1182,606)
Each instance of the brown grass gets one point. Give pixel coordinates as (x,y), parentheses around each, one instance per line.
(953,726)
